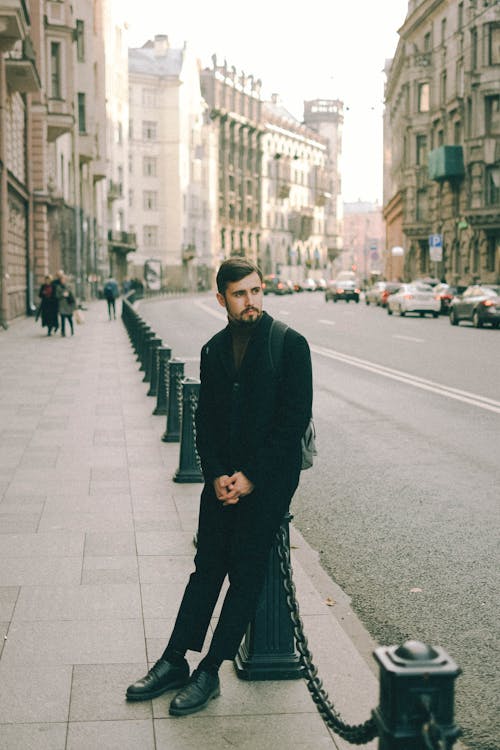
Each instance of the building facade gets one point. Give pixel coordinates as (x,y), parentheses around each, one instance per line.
(293,196)
(363,240)
(168,170)
(54,162)
(442,142)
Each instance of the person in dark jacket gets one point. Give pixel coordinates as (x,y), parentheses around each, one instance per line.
(249,424)
(67,304)
(48,306)
(111,293)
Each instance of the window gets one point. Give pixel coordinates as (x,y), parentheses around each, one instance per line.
(80,40)
(150,236)
(131,129)
(119,133)
(150,200)
(149,97)
(421,150)
(494,44)
(492,114)
(473,48)
(149,130)
(443,87)
(427,42)
(457,133)
(55,70)
(130,198)
(443,31)
(423,97)
(493,186)
(149,166)
(493,249)
(460,15)
(82,119)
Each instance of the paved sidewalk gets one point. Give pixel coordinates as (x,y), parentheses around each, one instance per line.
(95,550)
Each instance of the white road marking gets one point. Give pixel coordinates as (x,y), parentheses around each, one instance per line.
(408,338)
(327,322)
(482,402)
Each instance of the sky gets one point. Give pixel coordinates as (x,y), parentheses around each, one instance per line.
(329,49)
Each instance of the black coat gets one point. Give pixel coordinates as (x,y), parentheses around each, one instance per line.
(253,420)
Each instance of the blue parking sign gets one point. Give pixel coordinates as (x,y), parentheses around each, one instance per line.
(436,247)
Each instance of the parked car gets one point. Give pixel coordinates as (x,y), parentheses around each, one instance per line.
(320,285)
(390,288)
(372,295)
(272,284)
(414,298)
(445,292)
(309,285)
(338,289)
(480,303)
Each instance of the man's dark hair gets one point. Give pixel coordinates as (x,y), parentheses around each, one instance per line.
(234,269)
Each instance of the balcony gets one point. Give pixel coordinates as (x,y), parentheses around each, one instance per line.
(115,190)
(14,23)
(60,118)
(122,242)
(86,147)
(20,68)
(446,163)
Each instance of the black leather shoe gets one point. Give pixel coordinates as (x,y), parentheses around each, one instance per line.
(161,677)
(201,688)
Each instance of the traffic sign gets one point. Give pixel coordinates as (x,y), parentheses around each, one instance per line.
(436,247)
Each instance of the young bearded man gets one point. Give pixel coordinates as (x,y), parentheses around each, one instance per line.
(249,423)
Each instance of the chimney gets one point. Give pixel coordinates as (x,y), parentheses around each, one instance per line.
(161,45)
(275,98)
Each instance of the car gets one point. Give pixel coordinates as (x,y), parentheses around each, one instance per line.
(390,288)
(445,292)
(372,295)
(309,285)
(339,289)
(272,284)
(480,304)
(414,298)
(320,285)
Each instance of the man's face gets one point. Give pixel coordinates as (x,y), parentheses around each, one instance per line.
(243,299)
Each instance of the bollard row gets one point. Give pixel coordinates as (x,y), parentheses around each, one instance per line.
(176,396)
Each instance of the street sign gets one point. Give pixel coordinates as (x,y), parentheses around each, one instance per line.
(436,247)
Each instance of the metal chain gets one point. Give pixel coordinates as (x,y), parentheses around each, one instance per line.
(358,734)
(432,734)
(193,405)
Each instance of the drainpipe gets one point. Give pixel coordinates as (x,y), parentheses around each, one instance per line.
(4,274)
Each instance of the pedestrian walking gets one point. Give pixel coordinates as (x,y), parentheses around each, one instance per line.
(111,293)
(249,423)
(47,310)
(67,304)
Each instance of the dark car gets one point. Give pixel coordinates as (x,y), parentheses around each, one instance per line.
(480,303)
(445,292)
(342,289)
(272,284)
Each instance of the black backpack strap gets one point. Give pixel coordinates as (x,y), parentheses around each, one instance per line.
(276,343)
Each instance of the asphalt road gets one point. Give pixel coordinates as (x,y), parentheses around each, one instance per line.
(403,501)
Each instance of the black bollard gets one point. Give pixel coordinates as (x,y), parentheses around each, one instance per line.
(144,330)
(163,354)
(416,697)
(153,345)
(174,405)
(189,463)
(148,335)
(268,649)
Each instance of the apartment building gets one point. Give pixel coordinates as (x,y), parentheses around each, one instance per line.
(235,115)
(168,165)
(293,193)
(442,141)
(53,150)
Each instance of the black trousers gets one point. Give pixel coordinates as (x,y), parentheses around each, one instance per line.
(235,541)
(111,307)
